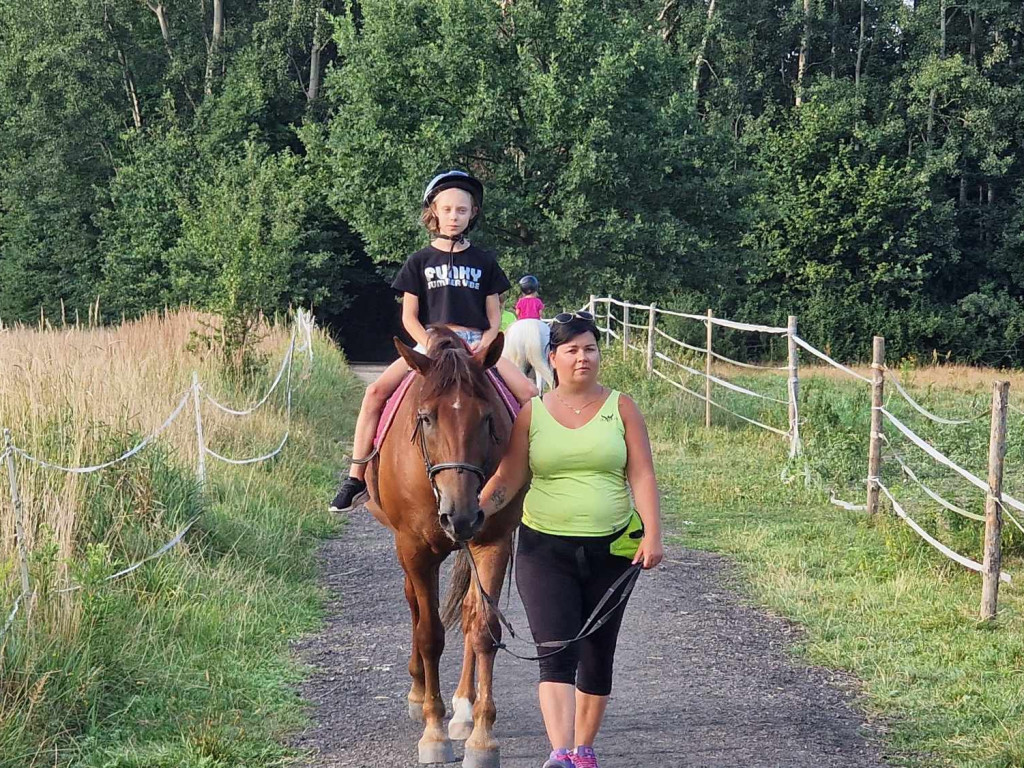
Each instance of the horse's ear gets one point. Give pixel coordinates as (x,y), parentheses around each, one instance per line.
(416,360)
(488,358)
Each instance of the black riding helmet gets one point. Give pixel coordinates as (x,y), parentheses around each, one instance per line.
(457,180)
(529,284)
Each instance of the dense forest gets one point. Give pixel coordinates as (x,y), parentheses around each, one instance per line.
(859,163)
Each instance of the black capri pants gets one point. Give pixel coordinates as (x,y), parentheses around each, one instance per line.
(561,579)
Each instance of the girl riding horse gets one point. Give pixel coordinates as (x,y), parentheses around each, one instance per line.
(450,283)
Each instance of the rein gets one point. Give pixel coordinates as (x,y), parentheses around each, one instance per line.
(593,623)
(627,581)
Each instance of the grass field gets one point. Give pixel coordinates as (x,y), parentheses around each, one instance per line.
(873,597)
(184,663)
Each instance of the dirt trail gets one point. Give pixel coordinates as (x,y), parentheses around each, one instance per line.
(701,679)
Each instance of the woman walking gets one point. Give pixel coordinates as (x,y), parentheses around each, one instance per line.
(582,443)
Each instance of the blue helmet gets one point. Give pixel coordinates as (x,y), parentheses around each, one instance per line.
(456,180)
(529,284)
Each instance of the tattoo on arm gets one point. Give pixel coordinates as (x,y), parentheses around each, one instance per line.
(499,497)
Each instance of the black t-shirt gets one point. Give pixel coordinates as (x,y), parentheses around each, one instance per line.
(453,290)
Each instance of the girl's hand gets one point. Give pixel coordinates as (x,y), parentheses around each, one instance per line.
(651,552)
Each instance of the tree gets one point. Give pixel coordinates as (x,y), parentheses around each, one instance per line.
(595,165)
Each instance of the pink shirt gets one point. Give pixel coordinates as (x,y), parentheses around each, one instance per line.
(529,307)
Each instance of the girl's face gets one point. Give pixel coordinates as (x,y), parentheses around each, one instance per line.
(578,360)
(453,208)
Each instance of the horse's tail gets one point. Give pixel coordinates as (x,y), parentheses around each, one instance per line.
(538,355)
(458,586)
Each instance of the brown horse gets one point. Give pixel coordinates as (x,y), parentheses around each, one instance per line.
(447,437)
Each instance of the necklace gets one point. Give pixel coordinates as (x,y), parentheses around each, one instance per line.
(578,411)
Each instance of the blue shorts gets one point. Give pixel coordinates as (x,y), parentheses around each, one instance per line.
(470,337)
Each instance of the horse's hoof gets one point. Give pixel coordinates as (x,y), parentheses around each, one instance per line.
(461,724)
(436,752)
(481,758)
(460,730)
(416,711)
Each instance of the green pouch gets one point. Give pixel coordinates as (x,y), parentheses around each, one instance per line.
(628,542)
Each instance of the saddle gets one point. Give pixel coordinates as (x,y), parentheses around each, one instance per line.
(393,403)
(388,417)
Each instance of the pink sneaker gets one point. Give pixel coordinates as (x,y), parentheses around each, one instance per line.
(560,758)
(584,757)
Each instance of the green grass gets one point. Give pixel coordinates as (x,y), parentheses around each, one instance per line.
(185,663)
(873,597)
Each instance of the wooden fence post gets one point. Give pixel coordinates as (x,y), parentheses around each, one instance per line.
(993,513)
(201,442)
(794,388)
(650,341)
(592,306)
(19,517)
(608,336)
(625,329)
(877,398)
(707,376)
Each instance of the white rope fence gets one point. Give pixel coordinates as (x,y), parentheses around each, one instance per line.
(740,364)
(280,447)
(135,566)
(303,327)
(879,374)
(835,364)
(721,382)
(941,458)
(654,355)
(964,561)
(926,413)
(699,396)
(123,457)
(933,495)
(285,365)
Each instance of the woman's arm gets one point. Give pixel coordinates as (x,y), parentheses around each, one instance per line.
(494,321)
(411,318)
(514,470)
(640,473)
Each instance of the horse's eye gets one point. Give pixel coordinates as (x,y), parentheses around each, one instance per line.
(424,418)
(492,428)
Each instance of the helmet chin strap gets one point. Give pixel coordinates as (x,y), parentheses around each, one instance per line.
(459,238)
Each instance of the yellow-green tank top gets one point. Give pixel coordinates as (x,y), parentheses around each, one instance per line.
(579,475)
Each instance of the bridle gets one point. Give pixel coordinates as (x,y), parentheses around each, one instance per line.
(433,470)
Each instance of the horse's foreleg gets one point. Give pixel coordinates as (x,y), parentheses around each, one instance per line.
(461,724)
(481,746)
(415,660)
(434,746)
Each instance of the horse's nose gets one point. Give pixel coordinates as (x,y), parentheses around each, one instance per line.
(461,527)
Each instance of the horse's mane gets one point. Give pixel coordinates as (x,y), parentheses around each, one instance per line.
(453,368)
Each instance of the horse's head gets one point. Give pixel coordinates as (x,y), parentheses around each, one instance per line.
(457,429)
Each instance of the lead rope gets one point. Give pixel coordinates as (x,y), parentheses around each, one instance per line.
(627,580)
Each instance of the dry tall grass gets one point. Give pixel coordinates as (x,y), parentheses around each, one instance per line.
(81,396)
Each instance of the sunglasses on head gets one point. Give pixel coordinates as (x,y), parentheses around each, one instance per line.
(567,317)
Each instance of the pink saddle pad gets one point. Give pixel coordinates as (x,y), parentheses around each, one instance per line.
(391,408)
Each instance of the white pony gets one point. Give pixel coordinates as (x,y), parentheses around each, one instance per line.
(526,345)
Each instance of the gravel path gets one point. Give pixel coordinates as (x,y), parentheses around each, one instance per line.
(701,678)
